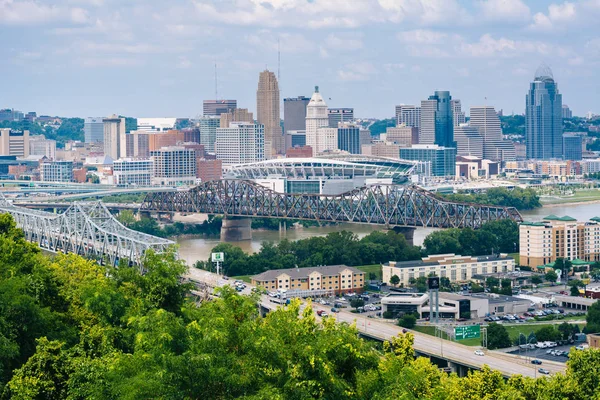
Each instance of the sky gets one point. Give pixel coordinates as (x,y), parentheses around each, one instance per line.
(150,58)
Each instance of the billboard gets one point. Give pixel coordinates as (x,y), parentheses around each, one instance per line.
(217,257)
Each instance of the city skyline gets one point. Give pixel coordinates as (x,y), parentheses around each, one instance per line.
(96,57)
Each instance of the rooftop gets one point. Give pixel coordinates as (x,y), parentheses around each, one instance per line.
(327,270)
(425,263)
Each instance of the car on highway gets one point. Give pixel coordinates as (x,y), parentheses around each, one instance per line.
(334,310)
(544,371)
(479,353)
(536,362)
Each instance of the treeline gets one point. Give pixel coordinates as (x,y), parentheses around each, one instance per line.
(72,329)
(209,227)
(521,199)
(335,248)
(493,237)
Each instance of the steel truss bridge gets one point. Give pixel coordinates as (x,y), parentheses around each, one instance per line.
(382,204)
(87,229)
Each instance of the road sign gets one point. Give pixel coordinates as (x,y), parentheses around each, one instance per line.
(433,282)
(467,332)
(217,257)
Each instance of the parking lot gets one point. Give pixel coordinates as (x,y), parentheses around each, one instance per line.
(545,354)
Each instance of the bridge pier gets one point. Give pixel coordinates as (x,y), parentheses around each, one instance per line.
(407,231)
(458,369)
(235,229)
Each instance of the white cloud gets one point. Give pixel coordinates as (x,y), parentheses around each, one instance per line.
(421,36)
(338,42)
(184,63)
(79,15)
(487,46)
(559,15)
(505,10)
(26,12)
(424,11)
(288,42)
(94,62)
(392,67)
(357,72)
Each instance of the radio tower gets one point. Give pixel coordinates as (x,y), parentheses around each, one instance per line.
(216,87)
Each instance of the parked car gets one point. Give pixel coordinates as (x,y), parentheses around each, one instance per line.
(334,310)
(536,362)
(544,371)
(580,347)
(479,353)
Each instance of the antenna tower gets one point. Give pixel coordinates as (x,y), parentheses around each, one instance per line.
(216,87)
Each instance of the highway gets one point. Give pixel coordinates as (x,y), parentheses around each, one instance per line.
(507,364)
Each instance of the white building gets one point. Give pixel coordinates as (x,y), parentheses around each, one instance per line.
(454,267)
(316,117)
(115,141)
(327,140)
(56,171)
(155,124)
(14,143)
(458,116)
(128,172)
(427,129)
(241,143)
(590,166)
(408,115)
(486,120)
(40,146)
(174,166)
(468,141)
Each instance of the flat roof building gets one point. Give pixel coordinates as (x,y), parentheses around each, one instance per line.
(93,130)
(338,278)
(14,142)
(443,159)
(217,107)
(56,171)
(128,172)
(174,166)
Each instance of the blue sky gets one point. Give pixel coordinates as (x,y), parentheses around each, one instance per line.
(156,58)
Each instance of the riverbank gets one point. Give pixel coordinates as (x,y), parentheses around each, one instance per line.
(570,203)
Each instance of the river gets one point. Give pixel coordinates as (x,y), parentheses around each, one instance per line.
(194,249)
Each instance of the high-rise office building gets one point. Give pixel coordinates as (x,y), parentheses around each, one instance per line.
(14,143)
(339,115)
(56,171)
(458,115)
(241,143)
(442,159)
(267,113)
(316,117)
(402,135)
(436,120)
(543,117)
(40,146)
(295,139)
(294,113)
(349,139)
(566,112)
(208,132)
(572,147)
(237,115)
(115,140)
(485,119)
(173,166)
(408,115)
(93,130)
(217,107)
(468,141)
(133,172)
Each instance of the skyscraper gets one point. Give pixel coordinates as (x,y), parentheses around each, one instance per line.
(543,117)
(237,115)
(337,115)
(267,110)
(458,115)
(316,117)
(294,113)
(436,120)
(572,148)
(468,141)
(93,130)
(349,138)
(408,115)
(115,140)
(566,112)
(218,107)
(240,143)
(208,132)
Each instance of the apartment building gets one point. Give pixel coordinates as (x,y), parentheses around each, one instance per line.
(128,172)
(541,243)
(174,166)
(457,268)
(339,278)
(56,171)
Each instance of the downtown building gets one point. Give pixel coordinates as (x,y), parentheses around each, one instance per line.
(208,132)
(56,171)
(14,142)
(339,115)
(402,135)
(543,120)
(572,147)
(408,115)
(115,138)
(437,125)
(541,243)
(268,114)
(487,122)
(217,107)
(130,172)
(318,134)
(93,130)
(173,166)
(240,143)
(294,113)
(468,141)
(40,146)
(442,159)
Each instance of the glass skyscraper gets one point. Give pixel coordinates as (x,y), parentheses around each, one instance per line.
(437,125)
(349,139)
(544,117)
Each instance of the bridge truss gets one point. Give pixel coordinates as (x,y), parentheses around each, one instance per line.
(87,229)
(382,204)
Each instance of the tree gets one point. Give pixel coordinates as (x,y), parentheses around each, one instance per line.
(395,280)
(575,291)
(536,279)
(595,274)
(568,330)
(357,303)
(491,282)
(407,321)
(547,334)
(550,276)
(497,336)
(372,276)
(592,318)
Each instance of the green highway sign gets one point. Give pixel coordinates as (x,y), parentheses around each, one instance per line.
(467,332)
